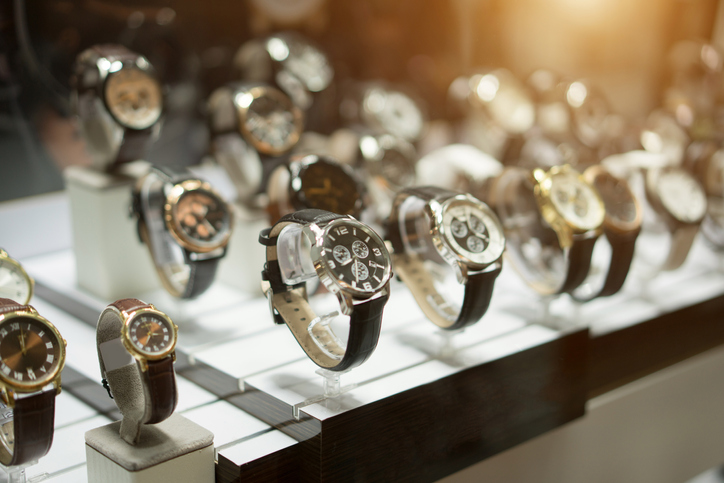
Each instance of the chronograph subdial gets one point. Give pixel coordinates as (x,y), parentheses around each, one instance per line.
(356,256)
(30,352)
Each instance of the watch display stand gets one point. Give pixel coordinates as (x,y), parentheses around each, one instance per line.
(111,262)
(447,347)
(332,384)
(175,450)
(16,474)
(245,256)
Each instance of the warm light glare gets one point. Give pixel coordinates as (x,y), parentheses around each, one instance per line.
(488,87)
(369,147)
(116,65)
(652,142)
(278,49)
(576,94)
(244,99)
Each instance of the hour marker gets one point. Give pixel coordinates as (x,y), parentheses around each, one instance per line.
(332,238)
(31,374)
(49,345)
(15,326)
(354,284)
(3,332)
(50,358)
(354,231)
(6,369)
(42,369)
(18,375)
(165,338)
(375,277)
(41,333)
(367,239)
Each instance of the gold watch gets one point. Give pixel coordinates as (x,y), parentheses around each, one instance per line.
(15,283)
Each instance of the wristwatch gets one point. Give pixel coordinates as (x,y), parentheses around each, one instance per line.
(15,283)
(186,226)
(136,345)
(430,223)
(383,109)
(119,103)
(289,61)
(317,182)
(351,261)
(662,134)
(705,160)
(551,220)
(590,112)
(621,227)
(680,201)
(33,354)
(264,116)
(504,98)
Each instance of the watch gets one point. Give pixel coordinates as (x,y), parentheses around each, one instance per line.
(351,261)
(430,223)
(382,109)
(551,220)
(680,202)
(15,283)
(504,98)
(33,354)
(119,103)
(314,181)
(621,227)
(288,61)
(705,160)
(264,116)
(186,226)
(136,345)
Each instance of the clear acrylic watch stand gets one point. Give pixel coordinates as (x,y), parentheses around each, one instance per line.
(16,474)
(332,389)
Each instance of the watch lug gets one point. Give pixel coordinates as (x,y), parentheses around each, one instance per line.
(346,303)
(8,397)
(143,364)
(57,385)
(461,272)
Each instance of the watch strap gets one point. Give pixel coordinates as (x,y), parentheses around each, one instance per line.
(682,238)
(622,253)
(160,387)
(578,260)
(30,434)
(478,293)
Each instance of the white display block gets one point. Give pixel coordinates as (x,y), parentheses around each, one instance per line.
(175,450)
(245,256)
(111,262)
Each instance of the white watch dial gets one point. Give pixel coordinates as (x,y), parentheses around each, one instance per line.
(682,195)
(14,284)
(576,201)
(134,98)
(394,112)
(472,232)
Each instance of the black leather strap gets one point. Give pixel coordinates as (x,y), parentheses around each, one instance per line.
(579,263)
(478,292)
(622,253)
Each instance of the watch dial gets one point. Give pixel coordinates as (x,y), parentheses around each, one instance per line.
(682,195)
(202,216)
(14,284)
(617,198)
(576,201)
(472,232)
(29,350)
(394,112)
(398,168)
(134,98)
(309,65)
(151,334)
(365,263)
(272,121)
(327,186)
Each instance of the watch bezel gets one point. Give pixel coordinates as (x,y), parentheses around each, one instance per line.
(653,194)
(49,377)
(174,196)
(242,110)
(564,228)
(4,257)
(439,236)
(145,68)
(131,347)
(595,172)
(326,276)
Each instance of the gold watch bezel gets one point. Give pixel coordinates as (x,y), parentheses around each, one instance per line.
(621,227)
(7,258)
(242,109)
(565,229)
(52,377)
(172,199)
(132,349)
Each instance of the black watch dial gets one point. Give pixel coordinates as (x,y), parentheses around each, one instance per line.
(326,185)
(151,334)
(356,256)
(203,216)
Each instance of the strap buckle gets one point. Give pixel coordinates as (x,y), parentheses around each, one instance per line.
(108,388)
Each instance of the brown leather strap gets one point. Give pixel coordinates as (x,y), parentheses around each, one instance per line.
(33,419)
(9,305)
(129,305)
(579,263)
(161,385)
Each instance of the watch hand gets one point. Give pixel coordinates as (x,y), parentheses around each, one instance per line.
(21,338)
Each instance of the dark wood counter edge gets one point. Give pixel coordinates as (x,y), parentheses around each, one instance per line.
(624,355)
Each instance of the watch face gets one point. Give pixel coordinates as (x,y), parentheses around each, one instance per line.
(151,334)
(326,185)
(397,168)
(621,207)
(356,256)
(309,65)
(269,119)
(682,195)
(30,351)
(576,201)
(506,99)
(394,112)
(14,283)
(134,98)
(199,216)
(590,113)
(472,232)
